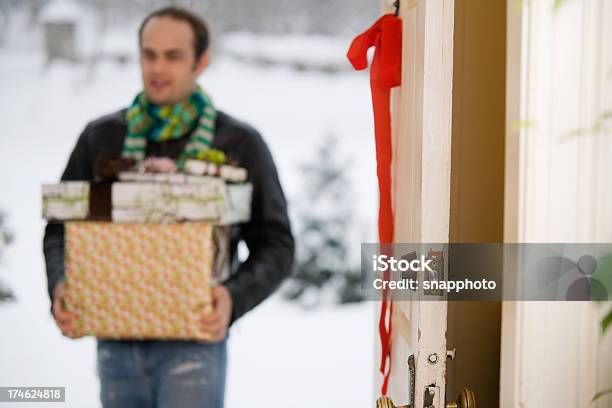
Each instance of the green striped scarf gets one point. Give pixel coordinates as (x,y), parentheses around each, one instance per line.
(149,122)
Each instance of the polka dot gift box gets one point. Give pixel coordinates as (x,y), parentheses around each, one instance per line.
(139,281)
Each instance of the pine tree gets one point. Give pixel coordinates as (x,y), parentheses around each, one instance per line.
(5,239)
(324,269)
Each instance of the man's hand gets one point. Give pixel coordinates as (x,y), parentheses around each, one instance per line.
(217,322)
(63,318)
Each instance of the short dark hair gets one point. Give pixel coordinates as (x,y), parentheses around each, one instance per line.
(198,26)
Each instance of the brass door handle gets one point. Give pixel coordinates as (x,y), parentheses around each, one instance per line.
(386,402)
(465,399)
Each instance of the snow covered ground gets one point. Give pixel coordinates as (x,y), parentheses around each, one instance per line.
(317,358)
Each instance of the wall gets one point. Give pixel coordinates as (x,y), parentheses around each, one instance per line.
(558,189)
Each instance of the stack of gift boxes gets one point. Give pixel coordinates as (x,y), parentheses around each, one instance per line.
(142,251)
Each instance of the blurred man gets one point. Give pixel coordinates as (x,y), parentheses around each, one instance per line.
(170,116)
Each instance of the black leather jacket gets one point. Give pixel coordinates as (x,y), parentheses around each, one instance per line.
(267,236)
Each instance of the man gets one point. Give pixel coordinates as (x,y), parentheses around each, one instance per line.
(168,118)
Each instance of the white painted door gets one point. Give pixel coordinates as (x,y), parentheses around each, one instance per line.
(421,186)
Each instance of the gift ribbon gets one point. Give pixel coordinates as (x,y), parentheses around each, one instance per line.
(386,36)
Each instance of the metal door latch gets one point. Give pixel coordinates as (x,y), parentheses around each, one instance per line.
(465,399)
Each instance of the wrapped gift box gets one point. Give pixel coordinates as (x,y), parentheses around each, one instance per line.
(229,173)
(233,174)
(139,281)
(153,177)
(237,204)
(164,202)
(201,198)
(66,201)
(166,198)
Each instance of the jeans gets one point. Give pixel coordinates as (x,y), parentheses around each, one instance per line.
(161,374)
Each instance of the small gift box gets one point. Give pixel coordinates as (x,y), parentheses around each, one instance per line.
(237,204)
(176,178)
(139,281)
(65,201)
(164,202)
(233,174)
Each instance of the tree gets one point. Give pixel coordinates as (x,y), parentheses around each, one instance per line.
(5,239)
(325,270)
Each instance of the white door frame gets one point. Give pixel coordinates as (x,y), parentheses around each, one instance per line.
(557,190)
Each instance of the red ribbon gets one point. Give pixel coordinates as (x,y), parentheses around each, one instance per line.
(386,36)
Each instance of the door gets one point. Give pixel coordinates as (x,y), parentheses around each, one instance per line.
(422,112)
(546,116)
(449,154)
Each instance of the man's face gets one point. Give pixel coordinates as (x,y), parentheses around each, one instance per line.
(167,60)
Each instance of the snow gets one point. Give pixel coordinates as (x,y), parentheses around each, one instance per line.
(314,50)
(120,43)
(303,359)
(61,11)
